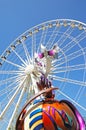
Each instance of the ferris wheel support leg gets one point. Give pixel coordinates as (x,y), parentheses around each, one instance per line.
(17,105)
(8,105)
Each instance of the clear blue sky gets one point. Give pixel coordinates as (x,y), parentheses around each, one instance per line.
(16,16)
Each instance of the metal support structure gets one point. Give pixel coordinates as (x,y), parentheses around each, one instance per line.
(8,105)
(17,105)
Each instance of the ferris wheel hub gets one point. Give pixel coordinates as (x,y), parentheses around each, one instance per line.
(29,69)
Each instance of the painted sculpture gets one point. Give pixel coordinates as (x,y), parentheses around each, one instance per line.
(42,111)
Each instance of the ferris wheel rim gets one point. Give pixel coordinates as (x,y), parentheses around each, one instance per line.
(69,20)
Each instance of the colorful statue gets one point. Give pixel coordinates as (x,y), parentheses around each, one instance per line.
(42,111)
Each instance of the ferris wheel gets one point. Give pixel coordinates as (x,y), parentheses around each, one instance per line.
(55,48)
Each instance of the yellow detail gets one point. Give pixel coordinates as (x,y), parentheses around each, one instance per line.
(50,25)
(57,24)
(38,114)
(36,30)
(28,120)
(36,124)
(43,27)
(65,23)
(30,33)
(24,38)
(80,26)
(72,24)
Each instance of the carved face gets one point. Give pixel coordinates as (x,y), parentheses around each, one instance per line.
(50,115)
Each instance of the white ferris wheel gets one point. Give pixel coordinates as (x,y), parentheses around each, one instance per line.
(19,69)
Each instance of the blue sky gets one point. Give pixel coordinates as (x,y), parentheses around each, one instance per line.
(16,16)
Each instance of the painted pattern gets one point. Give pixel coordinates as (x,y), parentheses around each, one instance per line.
(51,115)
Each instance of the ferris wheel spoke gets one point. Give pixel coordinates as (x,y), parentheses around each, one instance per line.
(60,62)
(76,54)
(8,96)
(7,89)
(79,94)
(10,87)
(43,37)
(19,57)
(13,64)
(1,126)
(16,107)
(26,51)
(65,35)
(12,90)
(68,68)
(44,34)
(11,84)
(83,108)
(5,120)
(74,40)
(10,72)
(12,98)
(33,46)
(52,37)
(71,56)
(8,80)
(81,90)
(80,83)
